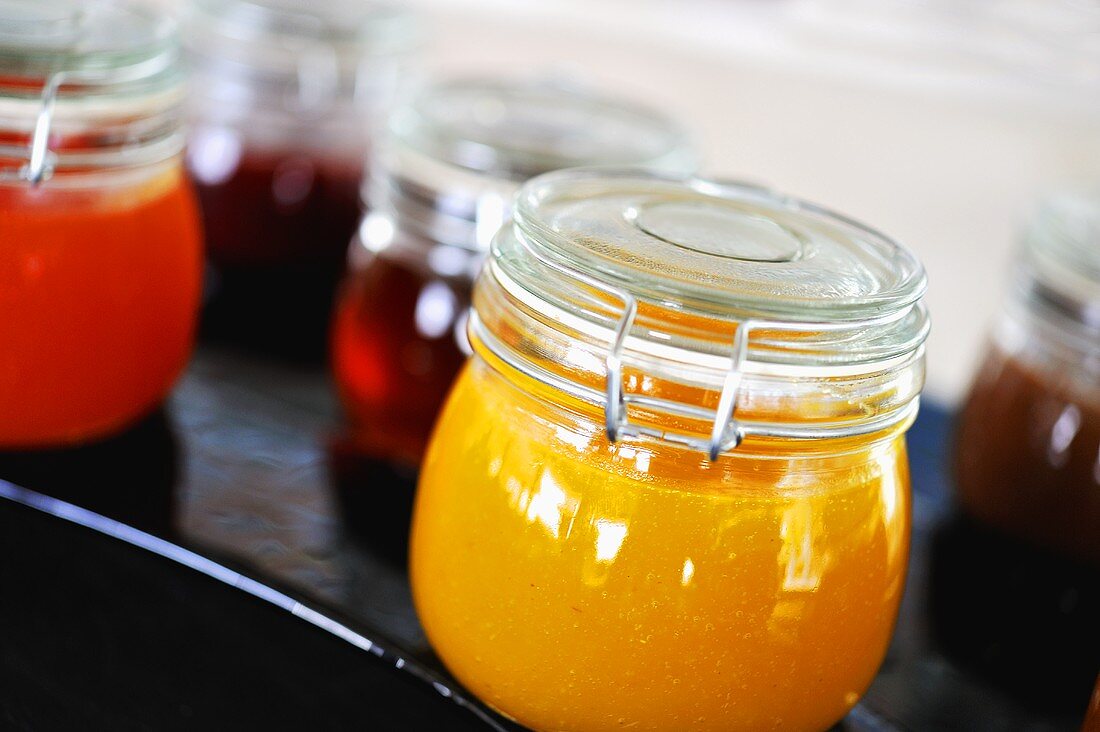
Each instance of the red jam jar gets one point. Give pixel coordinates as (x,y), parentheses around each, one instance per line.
(1028,452)
(442,187)
(100,247)
(285,100)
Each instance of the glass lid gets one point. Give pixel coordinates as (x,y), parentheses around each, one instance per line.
(725,251)
(86,86)
(281,35)
(1061,255)
(514,130)
(730,309)
(41,37)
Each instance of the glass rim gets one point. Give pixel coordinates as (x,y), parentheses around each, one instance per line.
(111,102)
(474,150)
(529,221)
(149,44)
(573,325)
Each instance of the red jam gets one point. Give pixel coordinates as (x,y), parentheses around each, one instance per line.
(277,227)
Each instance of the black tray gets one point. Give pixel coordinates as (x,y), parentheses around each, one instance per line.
(235,470)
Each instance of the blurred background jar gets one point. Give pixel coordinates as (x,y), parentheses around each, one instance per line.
(100,248)
(285,100)
(439,192)
(1027,455)
(996,102)
(670,489)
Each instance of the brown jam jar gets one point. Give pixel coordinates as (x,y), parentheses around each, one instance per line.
(441,187)
(1028,454)
(285,101)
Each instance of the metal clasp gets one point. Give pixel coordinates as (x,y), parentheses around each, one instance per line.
(726,433)
(40,159)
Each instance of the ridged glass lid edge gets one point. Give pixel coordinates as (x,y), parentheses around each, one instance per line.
(725,249)
(369,27)
(492,126)
(41,37)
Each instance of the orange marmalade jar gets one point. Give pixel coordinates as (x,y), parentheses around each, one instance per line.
(670,489)
(100,252)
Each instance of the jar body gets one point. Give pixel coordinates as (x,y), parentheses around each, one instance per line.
(284,107)
(575,584)
(1028,442)
(274,205)
(99,287)
(277,217)
(398,341)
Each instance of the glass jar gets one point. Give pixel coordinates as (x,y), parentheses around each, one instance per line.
(100,263)
(285,100)
(442,188)
(1092,714)
(1028,445)
(670,489)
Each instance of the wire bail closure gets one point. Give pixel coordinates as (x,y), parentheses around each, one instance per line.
(726,433)
(40,160)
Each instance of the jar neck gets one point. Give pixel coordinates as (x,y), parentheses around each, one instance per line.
(647,390)
(1035,324)
(1064,319)
(432,201)
(381,234)
(301,71)
(318,106)
(76,129)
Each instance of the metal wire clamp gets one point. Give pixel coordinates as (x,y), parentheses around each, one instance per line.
(727,432)
(40,160)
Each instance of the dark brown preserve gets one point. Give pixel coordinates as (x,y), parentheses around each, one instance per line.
(1028,454)
(395,353)
(277,228)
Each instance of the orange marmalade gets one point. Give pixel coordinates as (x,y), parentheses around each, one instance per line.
(100,251)
(99,290)
(674,563)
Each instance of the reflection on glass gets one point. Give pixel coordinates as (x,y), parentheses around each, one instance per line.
(623,564)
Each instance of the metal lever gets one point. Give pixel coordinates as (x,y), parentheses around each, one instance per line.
(40,160)
(727,432)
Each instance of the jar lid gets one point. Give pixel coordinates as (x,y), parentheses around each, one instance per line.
(1061,257)
(515,130)
(287,36)
(41,37)
(728,251)
(761,303)
(459,151)
(85,86)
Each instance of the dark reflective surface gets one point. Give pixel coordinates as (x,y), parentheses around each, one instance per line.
(375,500)
(277,230)
(277,311)
(100,634)
(131,476)
(1026,619)
(255,487)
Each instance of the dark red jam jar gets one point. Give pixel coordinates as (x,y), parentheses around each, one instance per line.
(1028,452)
(285,101)
(440,189)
